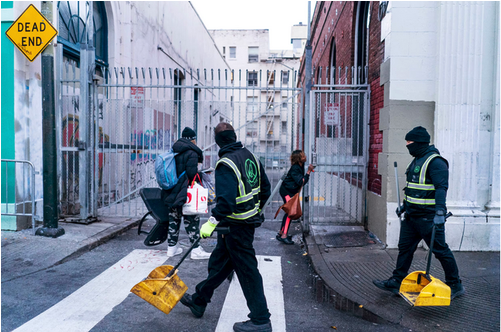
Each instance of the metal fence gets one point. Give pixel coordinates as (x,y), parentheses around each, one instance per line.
(141,112)
(18,189)
(339,138)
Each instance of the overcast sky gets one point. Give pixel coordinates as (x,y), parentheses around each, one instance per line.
(278,16)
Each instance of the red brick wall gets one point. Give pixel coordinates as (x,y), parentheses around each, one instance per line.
(326,27)
(376,57)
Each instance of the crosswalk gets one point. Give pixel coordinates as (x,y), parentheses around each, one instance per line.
(86,307)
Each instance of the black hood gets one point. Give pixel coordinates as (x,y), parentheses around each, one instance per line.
(230,148)
(184,144)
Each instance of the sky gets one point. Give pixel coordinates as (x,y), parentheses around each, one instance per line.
(278,16)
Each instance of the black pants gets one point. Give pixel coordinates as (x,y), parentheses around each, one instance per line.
(412,230)
(234,251)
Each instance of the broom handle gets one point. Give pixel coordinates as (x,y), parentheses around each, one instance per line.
(217,229)
(398,189)
(431,247)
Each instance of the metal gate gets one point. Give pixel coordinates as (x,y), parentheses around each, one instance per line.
(339,137)
(142,112)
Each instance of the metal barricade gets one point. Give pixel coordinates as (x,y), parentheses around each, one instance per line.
(14,191)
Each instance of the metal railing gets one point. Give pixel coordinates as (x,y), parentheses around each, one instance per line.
(14,201)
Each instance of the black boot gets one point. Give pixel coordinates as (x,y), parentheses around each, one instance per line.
(390,285)
(197,310)
(457,289)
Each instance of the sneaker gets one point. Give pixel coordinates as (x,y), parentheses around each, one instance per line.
(196,310)
(457,289)
(174,250)
(199,253)
(250,326)
(391,285)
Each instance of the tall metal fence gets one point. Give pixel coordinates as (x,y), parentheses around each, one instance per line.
(137,113)
(339,138)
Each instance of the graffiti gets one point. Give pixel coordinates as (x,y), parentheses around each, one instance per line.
(149,140)
(71,165)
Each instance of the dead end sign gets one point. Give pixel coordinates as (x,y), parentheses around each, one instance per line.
(31,32)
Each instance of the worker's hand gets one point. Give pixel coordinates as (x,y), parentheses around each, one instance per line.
(400,209)
(208,228)
(311,168)
(439,218)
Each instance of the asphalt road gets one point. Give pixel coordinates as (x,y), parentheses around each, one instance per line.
(25,298)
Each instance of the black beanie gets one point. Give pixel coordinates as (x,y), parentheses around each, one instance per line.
(418,134)
(189,133)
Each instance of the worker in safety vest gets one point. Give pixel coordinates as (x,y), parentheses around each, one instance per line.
(424,206)
(242,189)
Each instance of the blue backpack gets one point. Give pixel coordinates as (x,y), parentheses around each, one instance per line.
(165,170)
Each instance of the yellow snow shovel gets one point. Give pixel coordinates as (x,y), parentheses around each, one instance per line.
(421,289)
(163,288)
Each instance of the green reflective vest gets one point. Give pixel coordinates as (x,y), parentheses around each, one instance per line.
(246,167)
(420,192)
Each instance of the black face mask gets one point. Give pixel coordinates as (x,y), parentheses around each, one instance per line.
(226,137)
(417,148)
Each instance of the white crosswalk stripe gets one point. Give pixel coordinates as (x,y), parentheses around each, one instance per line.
(235,309)
(86,307)
(82,310)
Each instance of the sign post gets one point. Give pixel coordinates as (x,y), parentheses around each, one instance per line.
(31,33)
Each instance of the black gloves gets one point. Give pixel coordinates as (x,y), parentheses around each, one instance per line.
(439,218)
(400,209)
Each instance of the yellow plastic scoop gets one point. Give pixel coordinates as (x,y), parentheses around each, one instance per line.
(421,289)
(161,288)
(417,290)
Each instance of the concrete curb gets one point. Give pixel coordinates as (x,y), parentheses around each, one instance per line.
(341,298)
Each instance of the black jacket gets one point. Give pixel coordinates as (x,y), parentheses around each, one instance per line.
(438,174)
(293,181)
(227,187)
(189,155)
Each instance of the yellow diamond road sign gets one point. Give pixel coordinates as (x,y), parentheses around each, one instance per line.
(31,33)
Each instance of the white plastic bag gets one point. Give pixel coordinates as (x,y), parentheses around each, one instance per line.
(207,183)
(196,202)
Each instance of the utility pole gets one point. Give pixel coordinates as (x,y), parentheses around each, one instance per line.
(307,123)
(50,198)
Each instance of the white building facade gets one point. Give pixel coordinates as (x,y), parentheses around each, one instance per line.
(447,80)
(266,103)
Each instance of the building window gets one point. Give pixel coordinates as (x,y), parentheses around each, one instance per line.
(284,127)
(252,78)
(233,52)
(224,52)
(251,105)
(72,29)
(253,54)
(284,102)
(252,129)
(285,77)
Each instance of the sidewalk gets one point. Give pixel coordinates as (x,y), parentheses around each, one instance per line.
(345,259)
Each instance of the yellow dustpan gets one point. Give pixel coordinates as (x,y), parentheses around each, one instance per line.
(162,288)
(421,289)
